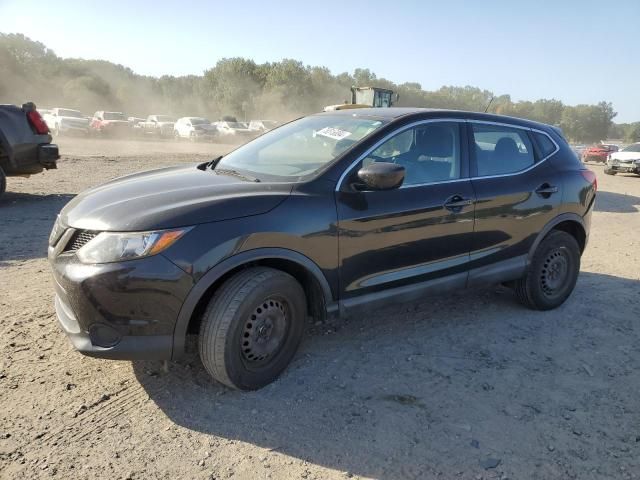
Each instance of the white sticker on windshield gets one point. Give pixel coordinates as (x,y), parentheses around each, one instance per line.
(334,133)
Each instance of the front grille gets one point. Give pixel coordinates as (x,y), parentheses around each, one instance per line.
(79,239)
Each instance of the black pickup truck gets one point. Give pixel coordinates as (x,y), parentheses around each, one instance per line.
(25,143)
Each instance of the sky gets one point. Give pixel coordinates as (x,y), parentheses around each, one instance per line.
(575,51)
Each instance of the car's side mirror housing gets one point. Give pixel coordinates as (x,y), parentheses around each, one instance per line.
(381,176)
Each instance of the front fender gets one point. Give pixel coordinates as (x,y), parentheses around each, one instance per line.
(229,264)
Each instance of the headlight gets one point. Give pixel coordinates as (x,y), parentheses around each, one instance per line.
(56,232)
(109,247)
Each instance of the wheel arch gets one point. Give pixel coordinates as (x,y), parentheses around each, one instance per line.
(571,223)
(304,270)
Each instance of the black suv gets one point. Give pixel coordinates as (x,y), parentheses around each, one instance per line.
(334,213)
(25,143)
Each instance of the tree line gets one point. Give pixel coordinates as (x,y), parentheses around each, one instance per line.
(241,87)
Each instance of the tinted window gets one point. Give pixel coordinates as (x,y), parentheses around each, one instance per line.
(547,147)
(429,152)
(500,150)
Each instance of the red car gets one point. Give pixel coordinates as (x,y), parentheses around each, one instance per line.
(110,123)
(598,153)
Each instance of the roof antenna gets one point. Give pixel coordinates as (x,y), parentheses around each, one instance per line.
(489,104)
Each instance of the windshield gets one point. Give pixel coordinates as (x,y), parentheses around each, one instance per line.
(200,121)
(632,148)
(164,118)
(113,116)
(299,148)
(63,112)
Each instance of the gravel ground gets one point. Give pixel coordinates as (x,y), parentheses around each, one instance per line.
(469,386)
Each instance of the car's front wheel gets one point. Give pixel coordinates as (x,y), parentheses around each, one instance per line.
(252,327)
(552,274)
(609,171)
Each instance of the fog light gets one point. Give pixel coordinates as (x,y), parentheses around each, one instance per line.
(103,335)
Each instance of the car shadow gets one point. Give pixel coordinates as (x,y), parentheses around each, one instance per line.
(616,202)
(25,223)
(406,392)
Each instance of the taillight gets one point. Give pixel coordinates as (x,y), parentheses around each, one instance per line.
(590,177)
(36,121)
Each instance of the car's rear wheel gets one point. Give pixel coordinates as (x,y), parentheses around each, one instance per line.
(552,274)
(609,171)
(252,327)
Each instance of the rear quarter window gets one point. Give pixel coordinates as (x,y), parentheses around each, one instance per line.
(547,147)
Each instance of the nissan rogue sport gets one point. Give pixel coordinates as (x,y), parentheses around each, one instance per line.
(332,214)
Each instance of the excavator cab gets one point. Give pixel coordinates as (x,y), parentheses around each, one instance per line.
(366,97)
(371,96)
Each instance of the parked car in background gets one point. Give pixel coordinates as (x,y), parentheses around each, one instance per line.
(598,153)
(578,149)
(261,126)
(66,120)
(233,131)
(25,143)
(133,121)
(194,128)
(110,123)
(243,249)
(158,125)
(626,160)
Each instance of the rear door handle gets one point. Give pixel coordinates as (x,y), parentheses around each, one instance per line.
(545,190)
(456,203)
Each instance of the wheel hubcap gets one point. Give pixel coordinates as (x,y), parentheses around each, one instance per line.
(554,272)
(265,330)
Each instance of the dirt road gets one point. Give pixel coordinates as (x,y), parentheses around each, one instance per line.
(471,386)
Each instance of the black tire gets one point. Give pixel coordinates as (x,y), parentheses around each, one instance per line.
(609,171)
(552,274)
(3,182)
(252,328)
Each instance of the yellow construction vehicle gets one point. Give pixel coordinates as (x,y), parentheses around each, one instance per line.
(367,97)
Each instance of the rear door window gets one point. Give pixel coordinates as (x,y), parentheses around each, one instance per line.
(501,150)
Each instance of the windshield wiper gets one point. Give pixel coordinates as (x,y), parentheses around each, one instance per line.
(212,164)
(235,173)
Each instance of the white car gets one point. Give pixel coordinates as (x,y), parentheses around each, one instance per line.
(626,160)
(234,131)
(261,126)
(66,120)
(194,128)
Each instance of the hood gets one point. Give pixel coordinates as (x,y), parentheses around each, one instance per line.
(170,197)
(625,155)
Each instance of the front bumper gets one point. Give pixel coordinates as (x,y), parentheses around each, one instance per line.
(122,311)
(627,167)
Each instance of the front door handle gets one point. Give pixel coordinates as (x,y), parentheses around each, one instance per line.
(545,190)
(456,203)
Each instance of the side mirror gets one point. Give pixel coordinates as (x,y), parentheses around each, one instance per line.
(381,176)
